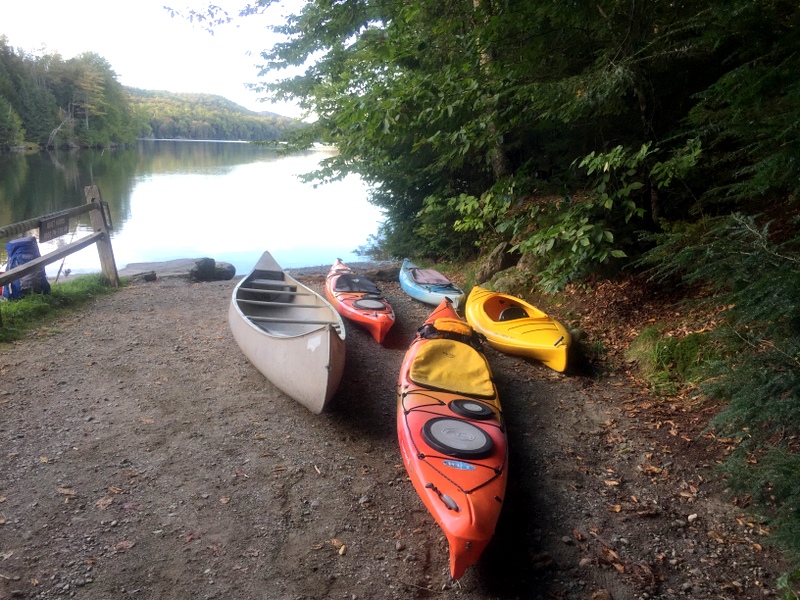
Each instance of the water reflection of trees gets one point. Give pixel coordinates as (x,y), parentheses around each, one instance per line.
(41,183)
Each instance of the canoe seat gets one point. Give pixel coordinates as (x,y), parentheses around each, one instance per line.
(273,284)
(259,320)
(274,331)
(269,274)
(288,303)
(262,292)
(511,313)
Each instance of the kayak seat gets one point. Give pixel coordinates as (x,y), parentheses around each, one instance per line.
(511,313)
(428,277)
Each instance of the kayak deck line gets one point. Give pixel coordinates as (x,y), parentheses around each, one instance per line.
(423,456)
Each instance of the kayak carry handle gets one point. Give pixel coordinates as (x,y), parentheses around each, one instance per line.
(559,340)
(446,500)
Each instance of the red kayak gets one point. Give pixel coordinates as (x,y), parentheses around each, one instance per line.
(452,434)
(358,299)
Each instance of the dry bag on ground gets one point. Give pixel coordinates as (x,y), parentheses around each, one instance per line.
(21,251)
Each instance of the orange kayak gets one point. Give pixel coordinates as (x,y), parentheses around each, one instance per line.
(358,299)
(452,434)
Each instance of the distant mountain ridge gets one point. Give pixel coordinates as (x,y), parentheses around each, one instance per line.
(203,98)
(170,115)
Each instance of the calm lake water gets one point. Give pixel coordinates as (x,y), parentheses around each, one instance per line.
(173,199)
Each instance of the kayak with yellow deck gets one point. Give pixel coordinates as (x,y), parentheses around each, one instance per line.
(452,433)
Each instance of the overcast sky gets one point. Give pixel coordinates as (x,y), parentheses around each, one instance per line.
(147,48)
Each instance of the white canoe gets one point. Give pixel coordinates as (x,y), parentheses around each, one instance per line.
(290,333)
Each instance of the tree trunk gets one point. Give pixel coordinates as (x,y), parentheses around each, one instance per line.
(647,133)
(497,158)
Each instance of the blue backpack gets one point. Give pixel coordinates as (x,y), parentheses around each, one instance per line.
(21,251)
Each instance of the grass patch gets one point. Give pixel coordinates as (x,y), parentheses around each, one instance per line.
(32,310)
(462,274)
(670,362)
(593,350)
(789,586)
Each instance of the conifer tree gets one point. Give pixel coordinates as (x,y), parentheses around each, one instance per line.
(11,132)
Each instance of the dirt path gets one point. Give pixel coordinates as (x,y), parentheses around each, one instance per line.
(144,457)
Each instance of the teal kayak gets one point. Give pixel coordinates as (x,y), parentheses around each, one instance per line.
(429,286)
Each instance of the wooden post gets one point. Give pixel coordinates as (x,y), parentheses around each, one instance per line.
(104,249)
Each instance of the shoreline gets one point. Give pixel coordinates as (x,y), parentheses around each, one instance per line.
(182,267)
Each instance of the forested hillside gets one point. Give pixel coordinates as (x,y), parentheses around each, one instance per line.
(654,139)
(205,117)
(51,102)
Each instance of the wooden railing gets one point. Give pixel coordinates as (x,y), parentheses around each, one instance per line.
(56,224)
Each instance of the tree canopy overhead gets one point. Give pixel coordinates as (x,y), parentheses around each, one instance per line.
(464,110)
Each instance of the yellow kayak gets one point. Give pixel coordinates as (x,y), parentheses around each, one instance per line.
(513,326)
